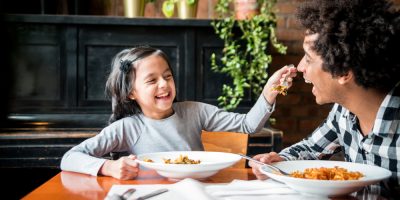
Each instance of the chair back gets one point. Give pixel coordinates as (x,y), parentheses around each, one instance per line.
(229,142)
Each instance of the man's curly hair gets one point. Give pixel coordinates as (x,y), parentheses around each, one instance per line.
(356,35)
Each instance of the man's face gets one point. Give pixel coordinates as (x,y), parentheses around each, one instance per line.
(324,85)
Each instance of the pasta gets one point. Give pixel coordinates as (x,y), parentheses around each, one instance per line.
(182,160)
(324,173)
(281,89)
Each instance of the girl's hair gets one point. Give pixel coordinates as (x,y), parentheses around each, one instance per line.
(120,81)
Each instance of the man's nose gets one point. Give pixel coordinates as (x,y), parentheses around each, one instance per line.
(301,65)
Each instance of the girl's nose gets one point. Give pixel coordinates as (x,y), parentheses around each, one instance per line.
(162,83)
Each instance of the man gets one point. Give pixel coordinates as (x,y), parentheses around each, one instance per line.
(352,60)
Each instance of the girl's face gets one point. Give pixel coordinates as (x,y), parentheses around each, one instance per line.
(154,87)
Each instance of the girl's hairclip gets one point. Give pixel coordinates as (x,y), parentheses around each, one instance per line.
(125,65)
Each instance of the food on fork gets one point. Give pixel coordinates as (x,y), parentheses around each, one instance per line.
(283,87)
(324,173)
(148,160)
(182,159)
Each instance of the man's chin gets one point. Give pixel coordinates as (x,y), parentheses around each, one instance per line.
(321,102)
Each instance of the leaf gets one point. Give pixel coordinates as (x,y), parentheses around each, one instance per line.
(190,2)
(245,57)
(168,8)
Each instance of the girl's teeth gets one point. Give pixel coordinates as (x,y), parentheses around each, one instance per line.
(163,95)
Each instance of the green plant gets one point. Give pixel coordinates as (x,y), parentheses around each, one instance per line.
(168,6)
(244,57)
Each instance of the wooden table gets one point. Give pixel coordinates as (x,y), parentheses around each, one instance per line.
(76,186)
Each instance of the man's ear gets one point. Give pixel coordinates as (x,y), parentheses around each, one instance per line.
(346,78)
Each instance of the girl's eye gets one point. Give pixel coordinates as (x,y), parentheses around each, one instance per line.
(169,76)
(151,81)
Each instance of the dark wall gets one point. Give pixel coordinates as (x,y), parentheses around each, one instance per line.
(61,64)
(5,73)
(73,7)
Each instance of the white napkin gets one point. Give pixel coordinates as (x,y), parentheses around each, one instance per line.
(236,190)
(184,189)
(255,189)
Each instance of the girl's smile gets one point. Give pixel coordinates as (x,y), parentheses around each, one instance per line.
(164,96)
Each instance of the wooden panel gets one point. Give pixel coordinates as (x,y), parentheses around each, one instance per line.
(39,70)
(229,142)
(97,48)
(267,140)
(71,57)
(29,149)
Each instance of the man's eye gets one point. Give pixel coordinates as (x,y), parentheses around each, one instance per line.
(151,81)
(307,60)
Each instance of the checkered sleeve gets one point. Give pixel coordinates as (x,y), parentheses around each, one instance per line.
(321,144)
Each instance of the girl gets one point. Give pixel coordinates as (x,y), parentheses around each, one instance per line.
(145,117)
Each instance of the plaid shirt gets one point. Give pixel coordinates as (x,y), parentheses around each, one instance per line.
(340,132)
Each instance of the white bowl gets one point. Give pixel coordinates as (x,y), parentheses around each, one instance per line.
(211,163)
(372,174)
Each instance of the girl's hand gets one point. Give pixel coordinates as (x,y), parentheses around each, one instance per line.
(284,74)
(124,168)
(265,158)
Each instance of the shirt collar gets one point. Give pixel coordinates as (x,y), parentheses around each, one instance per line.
(389,107)
(392,100)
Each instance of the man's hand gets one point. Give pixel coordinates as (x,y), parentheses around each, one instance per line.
(124,168)
(265,158)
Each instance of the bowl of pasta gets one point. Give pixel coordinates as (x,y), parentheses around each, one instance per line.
(178,165)
(327,178)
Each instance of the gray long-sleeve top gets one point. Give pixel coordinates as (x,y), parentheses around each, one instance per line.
(181,131)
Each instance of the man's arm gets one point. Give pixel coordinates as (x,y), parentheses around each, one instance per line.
(323,142)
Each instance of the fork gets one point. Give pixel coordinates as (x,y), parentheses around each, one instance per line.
(124,195)
(274,168)
(128,193)
(152,194)
(285,83)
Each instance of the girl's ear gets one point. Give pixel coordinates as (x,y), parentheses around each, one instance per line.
(131,96)
(346,78)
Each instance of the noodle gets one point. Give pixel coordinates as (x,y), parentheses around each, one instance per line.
(182,160)
(323,173)
(281,89)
